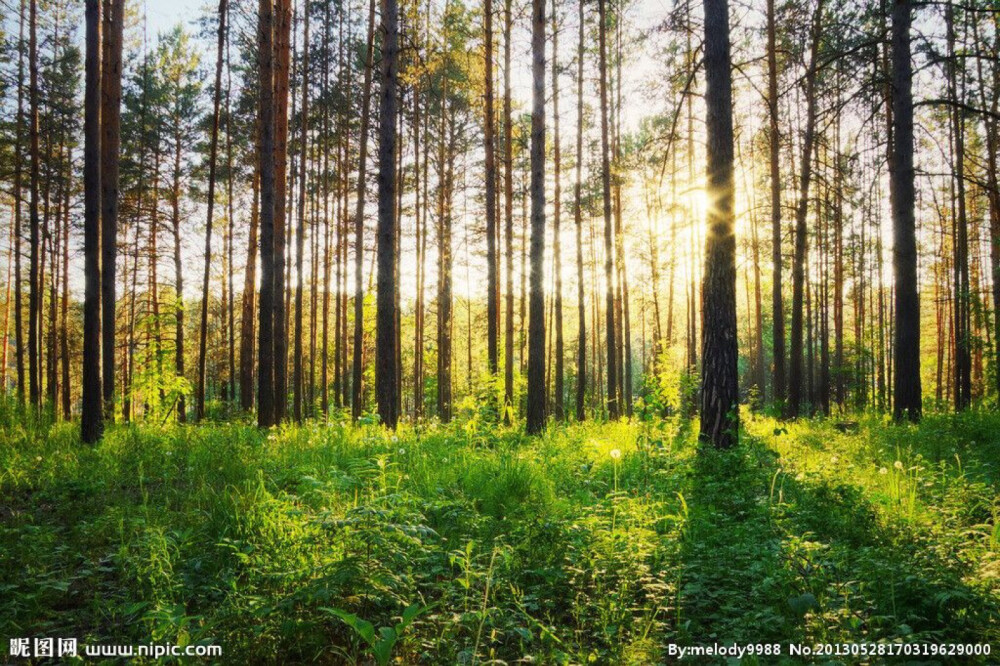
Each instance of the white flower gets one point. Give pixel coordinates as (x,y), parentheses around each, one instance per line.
(883,471)
(898,464)
(834,460)
(616,453)
(402,451)
(38,459)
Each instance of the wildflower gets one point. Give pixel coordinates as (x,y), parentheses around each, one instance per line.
(444,460)
(616,453)
(883,471)
(38,459)
(898,464)
(170,453)
(402,451)
(834,460)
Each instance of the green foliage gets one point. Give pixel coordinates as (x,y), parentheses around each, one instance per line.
(594,543)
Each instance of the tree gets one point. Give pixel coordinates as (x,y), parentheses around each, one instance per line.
(535,422)
(385,343)
(111,94)
(906,387)
(212,159)
(556,211)
(359,223)
(91,416)
(719,375)
(489,136)
(774,146)
(265,309)
(609,251)
(795,380)
(297,381)
(581,358)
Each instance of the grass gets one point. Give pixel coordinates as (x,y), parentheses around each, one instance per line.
(592,544)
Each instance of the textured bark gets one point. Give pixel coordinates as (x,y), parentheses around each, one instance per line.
(906,389)
(719,374)
(91,418)
(535,422)
(446,150)
(282,37)
(385,342)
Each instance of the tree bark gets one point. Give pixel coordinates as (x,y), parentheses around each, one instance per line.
(907,391)
(535,421)
(91,418)
(385,342)
(719,376)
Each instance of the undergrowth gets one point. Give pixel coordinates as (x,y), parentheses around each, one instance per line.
(594,543)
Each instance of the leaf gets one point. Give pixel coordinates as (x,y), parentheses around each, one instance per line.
(363,628)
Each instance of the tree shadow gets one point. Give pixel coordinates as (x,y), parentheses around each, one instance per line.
(771,558)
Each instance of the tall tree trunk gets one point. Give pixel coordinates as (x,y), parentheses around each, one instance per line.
(282,39)
(248,299)
(508,175)
(213,153)
(489,131)
(357,388)
(581,357)
(298,379)
(91,417)
(963,296)
(385,343)
(774,145)
(801,211)
(559,388)
(907,390)
(719,375)
(444,292)
(111,93)
(35,224)
(265,309)
(535,422)
(609,254)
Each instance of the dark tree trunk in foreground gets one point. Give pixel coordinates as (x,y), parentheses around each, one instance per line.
(719,374)
(385,341)
(265,309)
(906,387)
(609,252)
(536,324)
(91,417)
(212,160)
(357,388)
(282,46)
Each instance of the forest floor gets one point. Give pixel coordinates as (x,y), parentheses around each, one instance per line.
(595,543)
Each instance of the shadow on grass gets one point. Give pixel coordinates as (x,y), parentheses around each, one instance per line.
(767,557)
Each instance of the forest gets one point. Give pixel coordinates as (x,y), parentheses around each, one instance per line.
(500,331)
